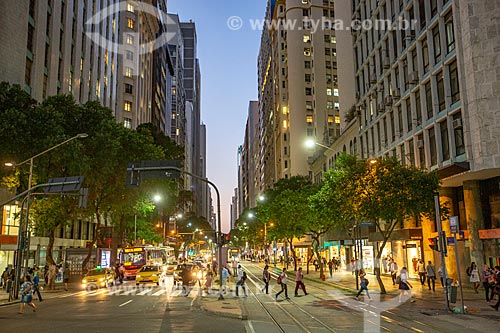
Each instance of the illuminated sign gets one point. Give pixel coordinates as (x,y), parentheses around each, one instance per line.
(135,249)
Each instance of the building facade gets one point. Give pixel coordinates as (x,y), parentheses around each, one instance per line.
(427,94)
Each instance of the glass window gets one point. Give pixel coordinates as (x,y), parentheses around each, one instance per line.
(458,133)
(308,91)
(425,55)
(445,142)
(434,7)
(337,119)
(307,38)
(309,119)
(128,88)
(130,39)
(421,150)
(418,108)
(335,92)
(437,44)
(454,85)
(432,146)
(440,91)
(127,123)
(307,64)
(450,34)
(329,91)
(130,8)
(409,118)
(130,23)
(127,106)
(428,100)
(128,72)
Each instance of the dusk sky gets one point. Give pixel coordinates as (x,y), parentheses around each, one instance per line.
(228,60)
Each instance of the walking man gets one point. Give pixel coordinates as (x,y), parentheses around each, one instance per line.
(242,276)
(282,282)
(330,267)
(393,268)
(266,277)
(299,282)
(421,271)
(364,284)
(234,265)
(431,276)
(224,277)
(36,282)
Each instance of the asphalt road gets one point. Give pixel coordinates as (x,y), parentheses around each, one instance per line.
(118,309)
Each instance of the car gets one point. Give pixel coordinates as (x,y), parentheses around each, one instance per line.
(149,273)
(98,278)
(193,270)
(170,267)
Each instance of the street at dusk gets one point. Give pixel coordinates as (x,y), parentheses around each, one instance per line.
(250,166)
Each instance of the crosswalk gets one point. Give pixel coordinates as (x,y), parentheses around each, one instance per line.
(135,291)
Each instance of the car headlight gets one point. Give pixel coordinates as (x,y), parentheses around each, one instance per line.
(102,279)
(84,281)
(154,275)
(200,275)
(175,274)
(138,276)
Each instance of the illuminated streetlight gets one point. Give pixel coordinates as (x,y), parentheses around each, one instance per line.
(251,215)
(373,161)
(310,143)
(262,197)
(157,198)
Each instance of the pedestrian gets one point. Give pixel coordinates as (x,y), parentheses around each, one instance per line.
(186,278)
(431,275)
(208,279)
(330,268)
(384,264)
(496,287)
(121,273)
(27,294)
(488,278)
(242,277)
(299,282)
(364,284)
(224,277)
(393,269)
(36,282)
(282,282)
(421,271)
(473,274)
(234,265)
(66,276)
(404,284)
(5,276)
(266,277)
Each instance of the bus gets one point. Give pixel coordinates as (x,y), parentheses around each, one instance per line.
(133,258)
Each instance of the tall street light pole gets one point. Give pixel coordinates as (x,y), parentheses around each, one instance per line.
(23,234)
(219,224)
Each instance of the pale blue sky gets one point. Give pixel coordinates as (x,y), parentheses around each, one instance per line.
(228,62)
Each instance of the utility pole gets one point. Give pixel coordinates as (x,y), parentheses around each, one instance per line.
(442,244)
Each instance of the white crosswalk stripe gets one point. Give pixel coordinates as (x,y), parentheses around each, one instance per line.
(134,291)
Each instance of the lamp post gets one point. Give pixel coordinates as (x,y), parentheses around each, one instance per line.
(23,227)
(311,143)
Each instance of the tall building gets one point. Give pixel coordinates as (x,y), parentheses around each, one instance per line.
(298,92)
(428,96)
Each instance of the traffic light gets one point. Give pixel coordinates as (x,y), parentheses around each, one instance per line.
(434,243)
(225,238)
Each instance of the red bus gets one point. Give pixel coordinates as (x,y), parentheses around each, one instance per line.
(133,258)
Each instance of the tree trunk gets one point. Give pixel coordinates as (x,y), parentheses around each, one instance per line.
(294,255)
(309,257)
(92,243)
(379,251)
(316,250)
(50,246)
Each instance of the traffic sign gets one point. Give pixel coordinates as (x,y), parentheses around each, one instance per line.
(453,224)
(64,184)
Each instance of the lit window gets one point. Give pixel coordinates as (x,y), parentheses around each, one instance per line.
(127,106)
(329,91)
(113,25)
(307,38)
(333,39)
(329,105)
(330,119)
(337,105)
(130,8)
(130,23)
(285,124)
(130,39)
(128,72)
(309,119)
(127,123)
(337,119)
(285,110)
(335,92)
(307,51)
(106,57)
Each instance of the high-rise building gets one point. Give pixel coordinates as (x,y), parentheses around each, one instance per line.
(298,92)
(426,94)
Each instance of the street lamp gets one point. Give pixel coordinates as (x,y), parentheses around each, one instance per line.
(23,234)
(310,143)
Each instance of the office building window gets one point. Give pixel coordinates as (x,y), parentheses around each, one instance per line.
(307,64)
(458,133)
(27,73)
(329,91)
(44,89)
(330,120)
(128,88)
(421,9)
(432,146)
(411,153)
(127,106)
(286,164)
(337,119)
(393,129)
(130,8)
(127,123)
(445,142)
(130,55)
(308,91)
(454,85)
(440,91)
(309,119)
(130,23)
(309,105)
(307,78)
(428,100)
(409,118)
(31,34)
(128,72)
(335,92)
(425,55)
(434,8)
(399,110)
(450,33)
(437,44)
(130,39)
(307,38)
(329,105)
(421,151)
(418,108)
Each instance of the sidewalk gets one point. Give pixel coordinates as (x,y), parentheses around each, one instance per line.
(46,294)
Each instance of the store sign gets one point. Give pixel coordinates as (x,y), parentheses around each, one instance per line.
(132,250)
(105,258)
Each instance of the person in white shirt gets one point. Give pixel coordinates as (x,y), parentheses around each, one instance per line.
(282,283)
(242,276)
(234,265)
(404,284)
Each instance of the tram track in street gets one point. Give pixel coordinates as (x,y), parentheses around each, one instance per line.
(389,320)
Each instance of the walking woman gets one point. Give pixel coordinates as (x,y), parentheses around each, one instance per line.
(474,276)
(266,277)
(404,284)
(364,284)
(27,294)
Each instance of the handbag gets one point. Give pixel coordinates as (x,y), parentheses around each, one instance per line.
(398,279)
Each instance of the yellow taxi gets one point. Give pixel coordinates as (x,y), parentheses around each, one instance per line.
(148,273)
(193,273)
(98,278)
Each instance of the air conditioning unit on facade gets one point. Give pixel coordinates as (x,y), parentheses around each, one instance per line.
(457,123)
(413,77)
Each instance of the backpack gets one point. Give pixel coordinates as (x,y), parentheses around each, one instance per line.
(278,280)
(244,276)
